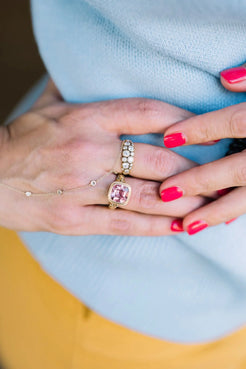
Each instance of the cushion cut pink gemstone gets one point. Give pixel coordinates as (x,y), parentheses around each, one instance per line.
(119,193)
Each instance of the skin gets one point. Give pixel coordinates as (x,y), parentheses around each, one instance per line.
(61,145)
(230,171)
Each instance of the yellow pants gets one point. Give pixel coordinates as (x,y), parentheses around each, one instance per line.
(42,326)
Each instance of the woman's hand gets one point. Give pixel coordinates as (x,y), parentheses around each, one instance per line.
(227,174)
(59,145)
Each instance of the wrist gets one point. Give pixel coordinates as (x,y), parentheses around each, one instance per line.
(4,150)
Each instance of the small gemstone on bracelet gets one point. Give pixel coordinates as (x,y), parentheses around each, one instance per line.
(93,183)
(59,192)
(28,193)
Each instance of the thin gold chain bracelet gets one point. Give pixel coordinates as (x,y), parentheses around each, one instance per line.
(61,191)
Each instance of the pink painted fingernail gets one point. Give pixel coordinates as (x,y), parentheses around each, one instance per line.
(171,193)
(234,75)
(177,225)
(230,221)
(176,139)
(196,226)
(223,191)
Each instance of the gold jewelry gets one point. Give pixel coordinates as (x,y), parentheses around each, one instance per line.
(61,191)
(127,156)
(119,192)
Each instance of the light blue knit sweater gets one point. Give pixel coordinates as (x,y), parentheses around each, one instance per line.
(181,288)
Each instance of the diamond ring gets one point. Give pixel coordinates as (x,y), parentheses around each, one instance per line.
(127,156)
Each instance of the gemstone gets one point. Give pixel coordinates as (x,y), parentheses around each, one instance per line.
(130,159)
(125,165)
(126,171)
(131,148)
(125,148)
(124,159)
(126,153)
(127,143)
(132,153)
(59,192)
(119,193)
(28,193)
(93,183)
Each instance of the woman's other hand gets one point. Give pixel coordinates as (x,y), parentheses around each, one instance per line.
(60,145)
(226,176)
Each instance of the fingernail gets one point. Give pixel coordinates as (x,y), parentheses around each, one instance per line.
(171,193)
(223,191)
(230,221)
(234,75)
(177,225)
(176,139)
(196,226)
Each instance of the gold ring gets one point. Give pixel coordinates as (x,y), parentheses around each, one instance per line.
(119,192)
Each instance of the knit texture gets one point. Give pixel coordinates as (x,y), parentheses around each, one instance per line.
(179,288)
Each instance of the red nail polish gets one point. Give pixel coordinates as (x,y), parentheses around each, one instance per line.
(234,75)
(176,139)
(223,191)
(196,226)
(230,221)
(177,225)
(171,193)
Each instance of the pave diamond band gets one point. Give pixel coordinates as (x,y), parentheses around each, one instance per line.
(127,156)
(119,192)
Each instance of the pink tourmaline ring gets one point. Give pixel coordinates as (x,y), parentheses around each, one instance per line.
(119,192)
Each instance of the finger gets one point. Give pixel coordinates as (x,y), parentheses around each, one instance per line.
(227,172)
(227,122)
(131,115)
(153,162)
(102,220)
(144,198)
(225,209)
(234,79)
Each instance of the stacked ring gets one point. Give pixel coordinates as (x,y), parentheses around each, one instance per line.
(127,156)
(119,192)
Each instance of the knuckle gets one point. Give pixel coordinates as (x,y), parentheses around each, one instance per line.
(146,196)
(149,108)
(155,227)
(201,181)
(162,162)
(240,174)
(205,133)
(151,228)
(237,123)
(119,224)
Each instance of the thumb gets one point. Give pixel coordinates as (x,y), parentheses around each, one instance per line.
(234,79)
